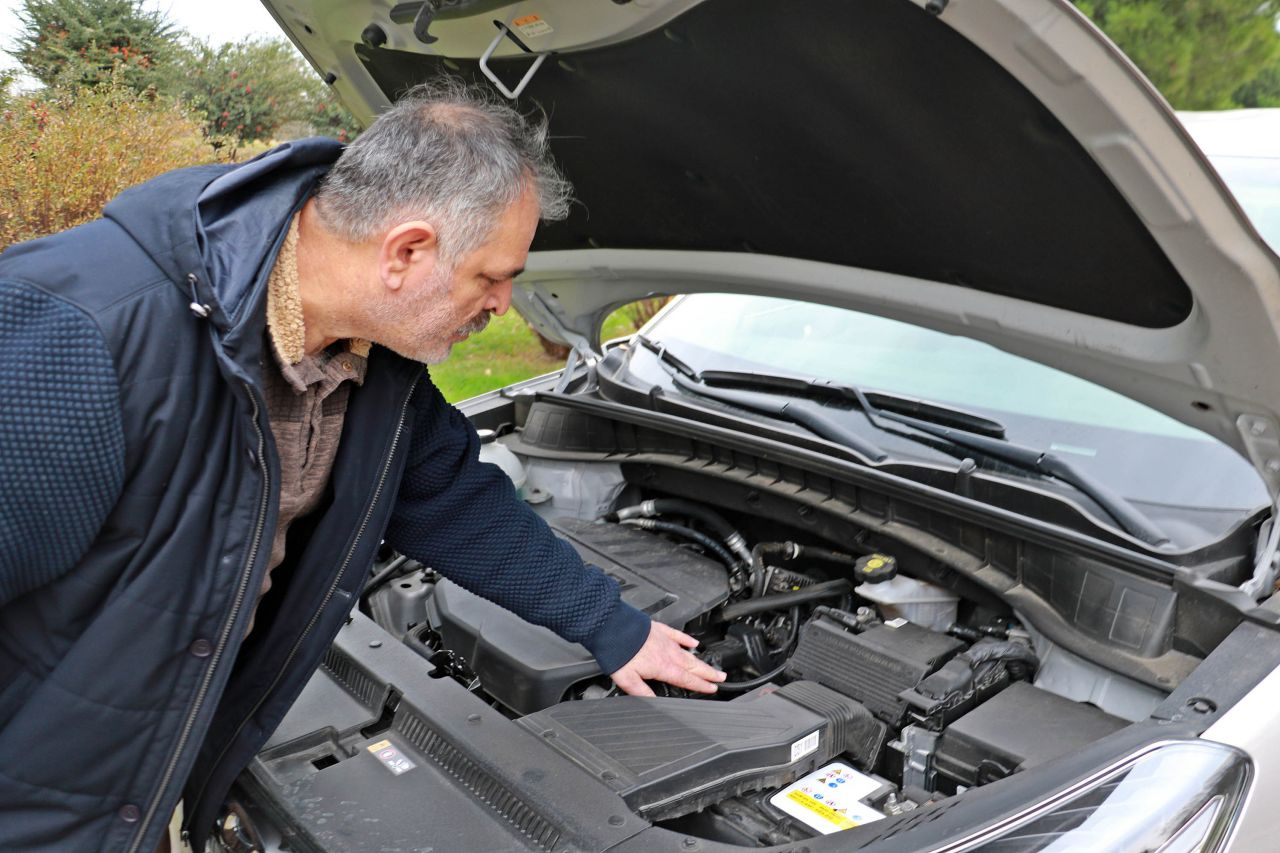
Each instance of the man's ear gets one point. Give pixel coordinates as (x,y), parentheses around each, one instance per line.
(409,250)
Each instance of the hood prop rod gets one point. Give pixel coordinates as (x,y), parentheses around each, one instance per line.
(505,32)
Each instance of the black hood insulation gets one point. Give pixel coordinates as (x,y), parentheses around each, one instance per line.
(865,134)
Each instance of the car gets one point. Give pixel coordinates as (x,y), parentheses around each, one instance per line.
(959,451)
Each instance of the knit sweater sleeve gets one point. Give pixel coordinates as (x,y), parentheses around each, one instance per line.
(61,439)
(462,517)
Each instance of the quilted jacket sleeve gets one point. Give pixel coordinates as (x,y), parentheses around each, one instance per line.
(61,439)
(462,517)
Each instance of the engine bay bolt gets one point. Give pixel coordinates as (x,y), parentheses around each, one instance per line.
(1257,428)
(616,820)
(474,719)
(1201,705)
(375,644)
(689,843)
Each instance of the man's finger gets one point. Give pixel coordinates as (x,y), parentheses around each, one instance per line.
(680,637)
(630,683)
(702,669)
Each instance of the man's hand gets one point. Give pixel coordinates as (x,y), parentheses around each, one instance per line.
(665,657)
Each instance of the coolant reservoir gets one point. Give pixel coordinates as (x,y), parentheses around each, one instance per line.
(916,601)
(499,454)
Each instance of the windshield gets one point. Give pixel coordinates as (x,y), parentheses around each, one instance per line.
(1197,486)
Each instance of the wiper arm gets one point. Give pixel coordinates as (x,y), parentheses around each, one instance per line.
(666,356)
(809,417)
(1129,517)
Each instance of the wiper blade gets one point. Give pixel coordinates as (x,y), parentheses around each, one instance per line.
(809,417)
(923,409)
(1129,517)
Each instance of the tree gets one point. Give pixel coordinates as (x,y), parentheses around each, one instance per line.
(245,89)
(1196,52)
(85,42)
(248,89)
(1261,91)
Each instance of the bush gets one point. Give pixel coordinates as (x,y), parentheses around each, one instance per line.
(68,152)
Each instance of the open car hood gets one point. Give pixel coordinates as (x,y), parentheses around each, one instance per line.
(991,168)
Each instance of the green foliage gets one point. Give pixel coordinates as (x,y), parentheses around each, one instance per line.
(327,116)
(1196,52)
(247,90)
(244,89)
(69,151)
(1261,91)
(505,353)
(86,42)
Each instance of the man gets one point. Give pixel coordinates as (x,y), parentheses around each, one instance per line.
(212,409)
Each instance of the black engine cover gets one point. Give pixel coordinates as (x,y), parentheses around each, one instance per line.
(529,668)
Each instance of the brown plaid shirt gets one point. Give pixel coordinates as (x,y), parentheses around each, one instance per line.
(306,398)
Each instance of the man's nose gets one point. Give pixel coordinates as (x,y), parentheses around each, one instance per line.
(499,299)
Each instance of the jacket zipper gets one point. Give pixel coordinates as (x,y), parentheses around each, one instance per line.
(237,603)
(337,578)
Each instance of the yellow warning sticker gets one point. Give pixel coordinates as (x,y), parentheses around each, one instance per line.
(831,798)
(393,759)
(531,26)
(821,810)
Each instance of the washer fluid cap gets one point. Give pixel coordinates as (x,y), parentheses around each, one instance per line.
(875,568)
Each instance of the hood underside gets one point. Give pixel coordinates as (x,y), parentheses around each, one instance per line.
(997,170)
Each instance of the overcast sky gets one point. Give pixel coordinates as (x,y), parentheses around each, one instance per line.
(215,20)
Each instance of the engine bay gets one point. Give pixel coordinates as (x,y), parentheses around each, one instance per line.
(863,684)
(905,693)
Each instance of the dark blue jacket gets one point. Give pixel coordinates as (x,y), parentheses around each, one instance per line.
(138,493)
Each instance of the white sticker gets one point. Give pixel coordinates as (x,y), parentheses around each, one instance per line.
(804,746)
(830,799)
(532,26)
(895,623)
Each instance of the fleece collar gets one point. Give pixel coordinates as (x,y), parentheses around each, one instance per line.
(285,323)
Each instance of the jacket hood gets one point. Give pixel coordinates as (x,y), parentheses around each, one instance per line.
(222,224)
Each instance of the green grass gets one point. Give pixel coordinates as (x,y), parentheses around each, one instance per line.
(504,353)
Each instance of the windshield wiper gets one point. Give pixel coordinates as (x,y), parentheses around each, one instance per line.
(807,415)
(969,430)
(1130,518)
(883,402)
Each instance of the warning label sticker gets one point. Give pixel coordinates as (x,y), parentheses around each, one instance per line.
(532,26)
(392,758)
(829,799)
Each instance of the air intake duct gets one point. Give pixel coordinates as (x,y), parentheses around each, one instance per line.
(670,757)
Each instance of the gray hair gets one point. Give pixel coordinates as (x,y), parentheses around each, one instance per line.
(447,153)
